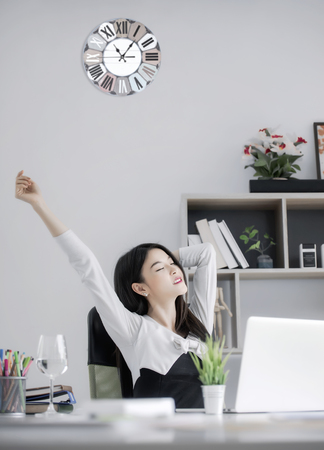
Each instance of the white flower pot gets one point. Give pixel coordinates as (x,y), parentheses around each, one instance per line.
(213,398)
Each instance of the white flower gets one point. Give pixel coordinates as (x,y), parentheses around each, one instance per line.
(286,147)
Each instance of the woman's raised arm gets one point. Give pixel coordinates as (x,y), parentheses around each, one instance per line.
(27,190)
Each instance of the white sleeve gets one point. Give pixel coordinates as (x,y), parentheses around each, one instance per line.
(202,302)
(121,324)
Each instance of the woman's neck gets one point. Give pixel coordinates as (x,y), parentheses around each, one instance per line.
(165,315)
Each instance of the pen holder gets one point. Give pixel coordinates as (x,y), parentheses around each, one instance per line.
(13,395)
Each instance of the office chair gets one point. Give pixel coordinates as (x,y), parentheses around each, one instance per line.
(107,379)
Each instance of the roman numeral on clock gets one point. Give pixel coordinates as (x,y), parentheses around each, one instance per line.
(136,31)
(147,42)
(96,42)
(107,82)
(122,27)
(96,72)
(107,31)
(92,57)
(122,86)
(147,71)
(137,82)
(152,56)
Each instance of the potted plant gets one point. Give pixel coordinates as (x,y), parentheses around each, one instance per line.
(273,155)
(211,374)
(252,234)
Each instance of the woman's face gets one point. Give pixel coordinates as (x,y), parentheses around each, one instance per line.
(163,279)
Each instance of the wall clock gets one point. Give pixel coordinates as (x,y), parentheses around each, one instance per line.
(121,57)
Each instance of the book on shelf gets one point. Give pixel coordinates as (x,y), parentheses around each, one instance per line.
(207,236)
(194,239)
(233,244)
(40,407)
(222,245)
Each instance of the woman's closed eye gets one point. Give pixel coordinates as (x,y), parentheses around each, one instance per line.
(161,268)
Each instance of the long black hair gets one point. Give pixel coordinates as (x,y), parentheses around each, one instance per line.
(128,270)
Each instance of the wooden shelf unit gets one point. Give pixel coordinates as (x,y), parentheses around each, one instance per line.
(290,218)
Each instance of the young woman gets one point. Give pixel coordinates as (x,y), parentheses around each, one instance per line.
(147,316)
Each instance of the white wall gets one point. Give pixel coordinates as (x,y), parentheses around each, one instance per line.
(113,169)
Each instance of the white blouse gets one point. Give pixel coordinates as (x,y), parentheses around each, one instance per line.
(143,342)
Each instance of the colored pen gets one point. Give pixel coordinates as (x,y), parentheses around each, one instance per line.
(26,361)
(13,369)
(17,364)
(9,353)
(6,367)
(27,367)
(22,360)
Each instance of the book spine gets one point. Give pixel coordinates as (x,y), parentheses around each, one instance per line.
(222,244)
(233,244)
(207,236)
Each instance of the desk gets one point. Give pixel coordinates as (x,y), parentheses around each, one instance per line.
(183,431)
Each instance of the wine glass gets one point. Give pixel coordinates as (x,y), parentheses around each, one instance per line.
(52,361)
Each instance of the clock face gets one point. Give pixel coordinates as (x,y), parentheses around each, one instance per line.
(121,57)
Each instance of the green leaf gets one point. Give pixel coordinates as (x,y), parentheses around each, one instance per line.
(267,236)
(296,166)
(260,163)
(248,229)
(253,233)
(211,367)
(244,238)
(255,246)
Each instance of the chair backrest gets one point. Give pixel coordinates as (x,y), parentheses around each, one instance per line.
(105,378)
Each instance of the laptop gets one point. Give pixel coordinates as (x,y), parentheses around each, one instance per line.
(282,367)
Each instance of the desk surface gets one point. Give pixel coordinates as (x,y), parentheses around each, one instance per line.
(187,431)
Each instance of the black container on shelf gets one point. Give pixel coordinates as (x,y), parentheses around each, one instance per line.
(289,185)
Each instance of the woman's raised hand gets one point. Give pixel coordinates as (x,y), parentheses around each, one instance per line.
(26,189)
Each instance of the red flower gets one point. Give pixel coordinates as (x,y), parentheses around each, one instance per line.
(276,136)
(264,129)
(282,146)
(247,150)
(267,151)
(301,140)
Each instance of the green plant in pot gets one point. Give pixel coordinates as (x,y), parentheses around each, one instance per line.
(211,373)
(251,234)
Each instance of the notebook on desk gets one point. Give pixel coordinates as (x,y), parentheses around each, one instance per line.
(282,367)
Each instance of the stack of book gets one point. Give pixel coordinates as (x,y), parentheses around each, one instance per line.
(37,399)
(228,253)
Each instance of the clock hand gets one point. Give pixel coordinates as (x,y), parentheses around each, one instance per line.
(106,57)
(128,48)
(118,51)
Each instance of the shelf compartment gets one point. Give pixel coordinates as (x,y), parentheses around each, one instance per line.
(238,214)
(305,226)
